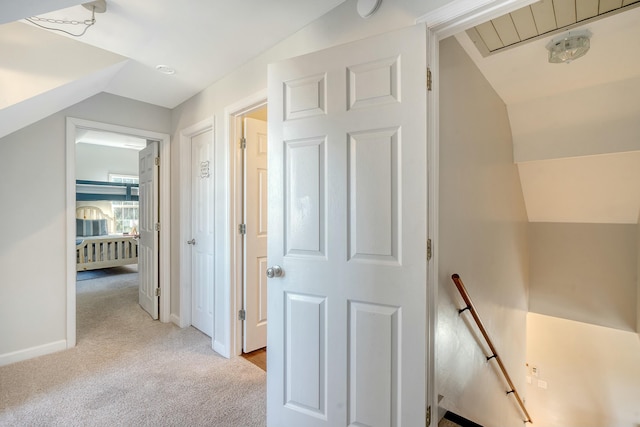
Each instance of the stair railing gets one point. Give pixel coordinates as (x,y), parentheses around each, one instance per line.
(494,353)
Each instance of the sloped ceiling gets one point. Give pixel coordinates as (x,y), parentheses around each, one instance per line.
(575,127)
(202,41)
(15,10)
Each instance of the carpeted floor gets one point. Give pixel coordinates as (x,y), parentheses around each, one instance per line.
(128,370)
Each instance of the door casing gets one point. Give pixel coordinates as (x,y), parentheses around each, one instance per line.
(441,23)
(72,126)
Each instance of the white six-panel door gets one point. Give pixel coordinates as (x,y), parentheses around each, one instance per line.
(348,226)
(148,243)
(202,192)
(255,240)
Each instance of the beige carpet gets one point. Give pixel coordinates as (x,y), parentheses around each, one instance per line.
(128,370)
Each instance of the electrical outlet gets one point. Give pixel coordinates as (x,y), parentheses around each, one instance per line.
(535,371)
(528,379)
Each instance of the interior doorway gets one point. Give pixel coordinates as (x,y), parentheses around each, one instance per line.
(107,213)
(247,136)
(127,192)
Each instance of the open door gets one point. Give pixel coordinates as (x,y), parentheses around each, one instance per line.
(255,238)
(149,230)
(347,235)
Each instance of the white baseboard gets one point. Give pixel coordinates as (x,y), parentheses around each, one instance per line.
(175,319)
(30,353)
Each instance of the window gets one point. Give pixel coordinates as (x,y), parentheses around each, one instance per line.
(125,213)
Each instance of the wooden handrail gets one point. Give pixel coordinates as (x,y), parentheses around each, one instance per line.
(494,353)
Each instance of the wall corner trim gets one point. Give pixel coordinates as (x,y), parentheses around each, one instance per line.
(175,319)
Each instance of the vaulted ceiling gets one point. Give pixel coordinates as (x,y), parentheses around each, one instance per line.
(42,71)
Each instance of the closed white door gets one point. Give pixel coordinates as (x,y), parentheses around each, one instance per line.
(148,243)
(202,231)
(255,239)
(348,227)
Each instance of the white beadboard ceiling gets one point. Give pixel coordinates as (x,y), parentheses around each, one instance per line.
(541,18)
(575,127)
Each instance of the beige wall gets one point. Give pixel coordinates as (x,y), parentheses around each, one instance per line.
(32,190)
(585,272)
(638,287)
(592,374)
(482,237)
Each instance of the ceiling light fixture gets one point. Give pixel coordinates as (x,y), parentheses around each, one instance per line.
(165,69)
(98,6)
(569,47)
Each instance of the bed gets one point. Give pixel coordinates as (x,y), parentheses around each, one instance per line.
(102,250)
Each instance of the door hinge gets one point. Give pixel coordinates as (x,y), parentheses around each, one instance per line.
(429,81)
(157,292)
(429,250)
(243,143)
(242,315)
(242,228)
(157,226)
(428,416)
(156,161)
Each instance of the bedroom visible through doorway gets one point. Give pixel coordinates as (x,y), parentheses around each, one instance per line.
(107,213)
(76,127)
(107,193)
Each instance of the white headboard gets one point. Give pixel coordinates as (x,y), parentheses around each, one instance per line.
(92,212)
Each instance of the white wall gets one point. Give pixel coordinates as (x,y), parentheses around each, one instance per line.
(568,125)
(585,272)
(32,176)
(96,162)
(638,288)
(483,238)
(591,372)
(339,26)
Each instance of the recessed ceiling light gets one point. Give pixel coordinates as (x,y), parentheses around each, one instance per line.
(165,69)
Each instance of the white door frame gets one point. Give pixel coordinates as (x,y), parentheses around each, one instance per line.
(185,217)
(441,23)
(73,125)
(233,132)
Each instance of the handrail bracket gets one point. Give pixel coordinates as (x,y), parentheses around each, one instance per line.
(494,353)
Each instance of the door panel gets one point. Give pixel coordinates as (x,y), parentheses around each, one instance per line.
(255,241)
(148,243)
(347,223)
(202,231)
(305,197)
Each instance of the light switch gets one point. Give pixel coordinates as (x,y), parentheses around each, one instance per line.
(542,384)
